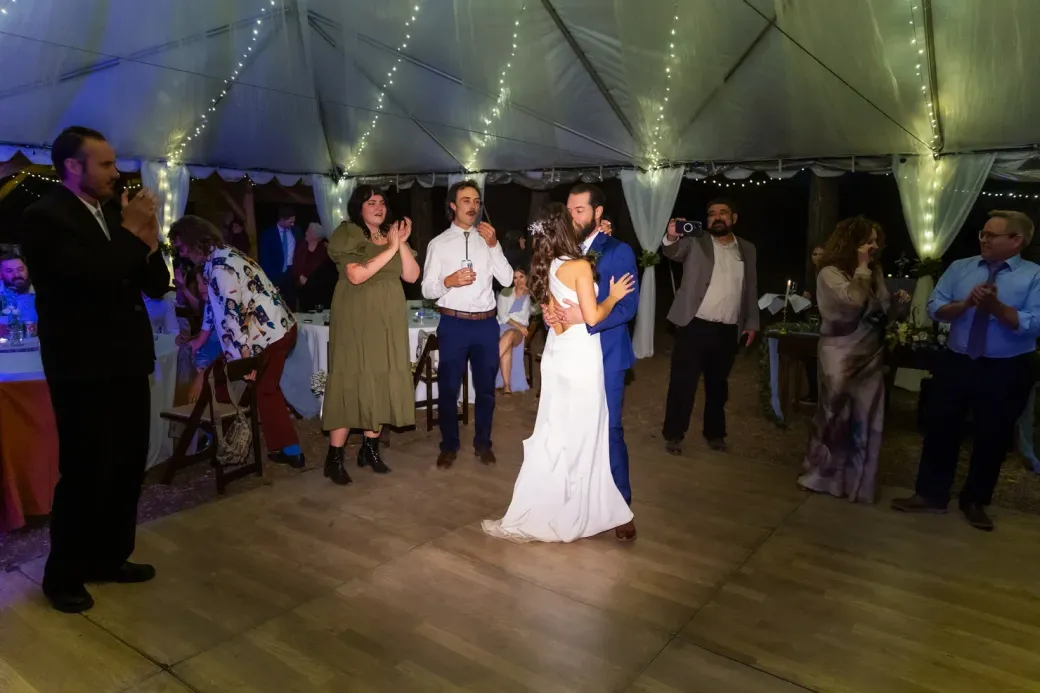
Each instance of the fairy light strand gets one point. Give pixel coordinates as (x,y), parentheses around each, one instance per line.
(194,132)
(489,119)
(923,75)
(3,10)
(658,122)
(363,142)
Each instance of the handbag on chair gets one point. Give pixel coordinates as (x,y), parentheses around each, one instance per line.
(232,447)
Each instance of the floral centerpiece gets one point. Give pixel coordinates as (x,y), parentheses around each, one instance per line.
(318,383)
(15,326)
(909,334)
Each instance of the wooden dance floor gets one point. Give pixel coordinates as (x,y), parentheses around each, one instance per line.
(738,583)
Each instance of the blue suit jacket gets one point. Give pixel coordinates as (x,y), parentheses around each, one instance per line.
(615,260)
(269,250)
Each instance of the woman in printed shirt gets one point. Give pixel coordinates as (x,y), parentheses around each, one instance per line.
(251,319)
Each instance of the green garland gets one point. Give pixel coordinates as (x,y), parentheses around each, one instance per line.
(648,258)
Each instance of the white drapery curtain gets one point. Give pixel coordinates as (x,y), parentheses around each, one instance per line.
(651,197)
(331,199)
(170,185)
(937,195)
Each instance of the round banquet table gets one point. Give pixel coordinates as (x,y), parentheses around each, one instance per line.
(314,340)
(28,435)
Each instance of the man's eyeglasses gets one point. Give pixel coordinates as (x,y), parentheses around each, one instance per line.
(990,236)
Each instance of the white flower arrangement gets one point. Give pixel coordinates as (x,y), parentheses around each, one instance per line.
(318,383)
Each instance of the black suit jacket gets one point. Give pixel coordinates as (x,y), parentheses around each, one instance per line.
(92,322)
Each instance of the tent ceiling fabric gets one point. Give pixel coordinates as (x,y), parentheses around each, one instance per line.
(749,80)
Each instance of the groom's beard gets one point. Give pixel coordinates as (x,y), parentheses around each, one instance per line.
(586,230)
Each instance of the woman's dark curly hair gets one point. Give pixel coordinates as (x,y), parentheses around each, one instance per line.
(361,195)
(552,236)
(842,248)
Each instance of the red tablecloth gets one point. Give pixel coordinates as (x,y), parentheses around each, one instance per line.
(28,452)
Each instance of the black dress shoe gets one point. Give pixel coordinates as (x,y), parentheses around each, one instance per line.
(126,574)
(976,516)
(70,599)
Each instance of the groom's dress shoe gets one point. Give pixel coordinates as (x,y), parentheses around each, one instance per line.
(445,459)
(69,599)
(626,532)
(486,457)
(126,574)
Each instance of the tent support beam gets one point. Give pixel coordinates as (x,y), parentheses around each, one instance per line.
(319,103)
(933,80)
(835,75)
(318,22)
(587,64)
(729,75)
(140,57)
(315,24)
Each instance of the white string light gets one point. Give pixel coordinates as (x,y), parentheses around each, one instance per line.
(1015,196)
(503,96)
(3,10)
(656,124)
(363,142)
(739,184)
(924,76)
(174,155)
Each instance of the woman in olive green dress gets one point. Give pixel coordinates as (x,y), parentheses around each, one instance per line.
(369,382)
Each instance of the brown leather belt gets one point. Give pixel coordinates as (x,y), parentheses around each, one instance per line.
(467,316)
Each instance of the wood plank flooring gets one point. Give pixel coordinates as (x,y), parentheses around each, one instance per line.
(737,583)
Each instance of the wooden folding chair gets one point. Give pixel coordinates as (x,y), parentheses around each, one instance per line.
(530,357)
(194,418)
(424,373)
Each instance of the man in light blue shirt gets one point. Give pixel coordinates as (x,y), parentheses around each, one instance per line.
(16,288)
(992,302)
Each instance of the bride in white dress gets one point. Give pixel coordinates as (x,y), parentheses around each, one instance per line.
(565,490)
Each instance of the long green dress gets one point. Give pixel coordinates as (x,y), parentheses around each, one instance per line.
(370,377)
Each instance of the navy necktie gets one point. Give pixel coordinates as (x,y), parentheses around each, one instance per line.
(980,322)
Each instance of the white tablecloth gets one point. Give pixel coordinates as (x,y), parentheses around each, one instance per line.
(314,339)
(26,365)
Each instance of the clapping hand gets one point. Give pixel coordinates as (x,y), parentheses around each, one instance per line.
(901,297)
(487,232)
(139,217)
(405,230)
(984,296)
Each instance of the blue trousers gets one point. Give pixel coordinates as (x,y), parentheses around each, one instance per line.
(615,385)
(475,341)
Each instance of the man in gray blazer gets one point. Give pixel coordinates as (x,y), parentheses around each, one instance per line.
(715,308)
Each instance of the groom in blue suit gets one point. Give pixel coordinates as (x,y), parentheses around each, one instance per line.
(613,259)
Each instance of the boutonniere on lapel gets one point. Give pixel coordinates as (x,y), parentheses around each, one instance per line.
(593,257)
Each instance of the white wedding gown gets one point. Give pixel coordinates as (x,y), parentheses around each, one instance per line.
(565,490)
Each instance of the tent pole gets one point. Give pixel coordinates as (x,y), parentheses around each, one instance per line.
(933,80)
(597,80)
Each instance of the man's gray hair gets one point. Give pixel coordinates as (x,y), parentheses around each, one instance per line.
(1018,223)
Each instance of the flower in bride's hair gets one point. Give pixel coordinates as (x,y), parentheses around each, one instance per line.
(537,228)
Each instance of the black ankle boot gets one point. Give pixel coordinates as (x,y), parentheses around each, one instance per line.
(368,456)
(334,469)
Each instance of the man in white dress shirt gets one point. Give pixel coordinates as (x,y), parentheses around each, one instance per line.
(716,306)
(460,265)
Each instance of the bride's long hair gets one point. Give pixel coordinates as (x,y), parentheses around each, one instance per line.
(552,236)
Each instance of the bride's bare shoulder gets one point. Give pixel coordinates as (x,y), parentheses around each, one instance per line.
(574,268)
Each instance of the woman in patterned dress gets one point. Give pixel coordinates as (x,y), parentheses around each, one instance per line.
(854,303)
(251,319)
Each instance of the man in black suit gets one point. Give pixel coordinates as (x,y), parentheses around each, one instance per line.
(90,264)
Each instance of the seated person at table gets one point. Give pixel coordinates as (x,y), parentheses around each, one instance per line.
(842,459)
(16,290)
(514,316)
